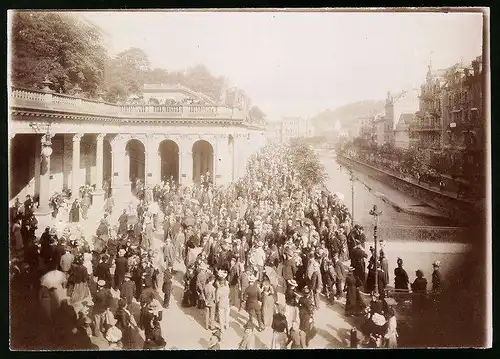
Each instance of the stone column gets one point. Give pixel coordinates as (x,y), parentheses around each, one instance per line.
(185,163)
(75,169)
(98,195)
(214,167)
(38,164)
(44,211)
(153,160)
(117,161)
(180,167)
(126,173)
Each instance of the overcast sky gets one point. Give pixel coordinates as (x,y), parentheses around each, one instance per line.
(299,64)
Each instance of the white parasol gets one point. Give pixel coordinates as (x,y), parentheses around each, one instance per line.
(53,279)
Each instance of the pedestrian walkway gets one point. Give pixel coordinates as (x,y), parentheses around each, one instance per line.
(400,201)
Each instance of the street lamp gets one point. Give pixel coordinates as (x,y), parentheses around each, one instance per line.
(46,143)
(375,214)
(352,179)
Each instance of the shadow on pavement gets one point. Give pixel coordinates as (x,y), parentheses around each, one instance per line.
(194,312)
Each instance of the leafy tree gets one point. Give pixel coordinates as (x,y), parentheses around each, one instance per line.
(59,46)
(126,73)
(311,172)
(201,80)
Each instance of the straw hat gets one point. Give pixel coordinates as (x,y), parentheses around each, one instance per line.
(101,283)
(113,335)
(154,307)
(378,319)
(292,283)
(436,264)
(128,275)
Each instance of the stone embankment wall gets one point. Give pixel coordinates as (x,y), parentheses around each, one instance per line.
(455,208)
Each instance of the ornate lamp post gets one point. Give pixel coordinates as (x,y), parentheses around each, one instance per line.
(46,150)
(375,214)
(352,179)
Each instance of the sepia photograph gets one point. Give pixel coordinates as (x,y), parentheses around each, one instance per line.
(221,179)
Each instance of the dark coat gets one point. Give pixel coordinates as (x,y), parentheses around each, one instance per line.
(289,269)
(127,291)
(102,301)
(400,279)
(121,267)
(351,287)
(252,297)
(102,272)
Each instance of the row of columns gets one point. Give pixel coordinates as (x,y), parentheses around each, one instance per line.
(234,157)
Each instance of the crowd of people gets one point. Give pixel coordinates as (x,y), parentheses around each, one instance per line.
(263,244)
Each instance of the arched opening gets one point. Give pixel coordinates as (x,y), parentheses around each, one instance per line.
(23,154)
(230,148)
(137,162)
(107,169)
(169,155)
(203,160)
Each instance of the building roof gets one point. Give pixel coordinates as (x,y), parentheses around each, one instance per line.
(404,121)
(163,88)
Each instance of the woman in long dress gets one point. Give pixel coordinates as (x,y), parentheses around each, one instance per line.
(147,238)
(391,336)
(16,233)
(128,326)
(75,211)
(280,329)
(267,303)
(78,288)
(353,301)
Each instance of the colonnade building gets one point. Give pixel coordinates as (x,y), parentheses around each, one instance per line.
(59,142)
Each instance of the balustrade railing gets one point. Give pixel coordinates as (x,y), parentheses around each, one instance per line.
(26,98)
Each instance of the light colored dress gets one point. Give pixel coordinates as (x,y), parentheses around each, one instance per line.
(18,239)
(279,341)
(392,333)
(267,306)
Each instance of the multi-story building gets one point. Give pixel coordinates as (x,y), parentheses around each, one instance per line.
(464,128)
(296,127)
(425,130)
(401,132)
(274,129)
(384,124)
(449,127)
(367,128)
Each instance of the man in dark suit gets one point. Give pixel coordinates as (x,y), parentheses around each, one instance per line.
(128,288)
(358,262)
(252,298)
(102,302)
(340,274)
(121,267)
(167,287)
(102,271)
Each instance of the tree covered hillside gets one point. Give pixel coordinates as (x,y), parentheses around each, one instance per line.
(347,115)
